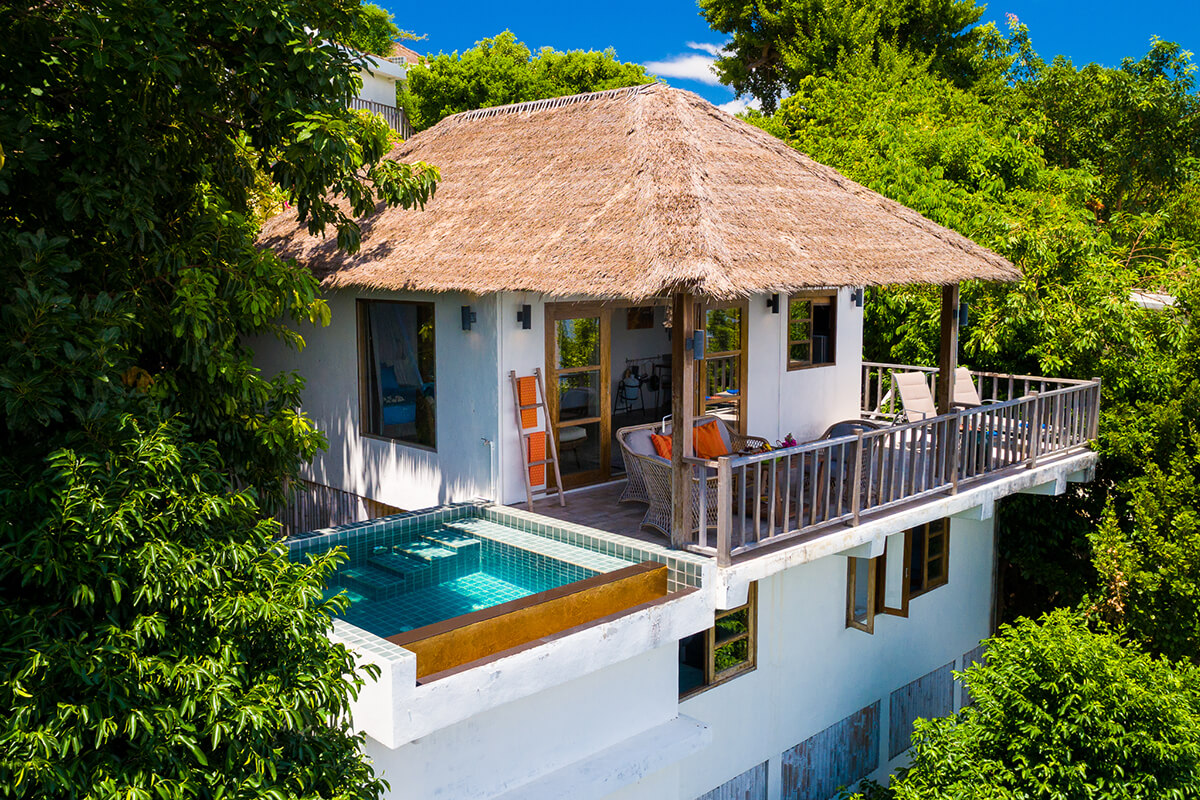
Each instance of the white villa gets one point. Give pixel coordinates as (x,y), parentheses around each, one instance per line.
(736,621)
(379,77)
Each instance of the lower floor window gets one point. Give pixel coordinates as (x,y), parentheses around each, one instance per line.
(724,651)
(913,562)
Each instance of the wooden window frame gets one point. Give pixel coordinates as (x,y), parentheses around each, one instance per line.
(943,532)
(852,578)
(809,297)
(742,354)
(876,574)
(750,635)
(363,339)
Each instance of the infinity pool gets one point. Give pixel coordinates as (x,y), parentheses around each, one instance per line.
(410,571)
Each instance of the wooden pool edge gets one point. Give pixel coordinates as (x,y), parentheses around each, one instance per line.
(477,635)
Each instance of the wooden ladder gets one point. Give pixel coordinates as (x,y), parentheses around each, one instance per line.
(537,447)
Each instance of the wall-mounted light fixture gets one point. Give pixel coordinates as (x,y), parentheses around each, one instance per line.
(525,317)
(964,314)
(773,303)
(857,297)
(696,345)
(468,318)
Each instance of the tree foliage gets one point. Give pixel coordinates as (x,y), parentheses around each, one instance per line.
(146,625)
(502,70)
(164,647)
(776,44)
(373,30)
(1059,711)
(1088,217)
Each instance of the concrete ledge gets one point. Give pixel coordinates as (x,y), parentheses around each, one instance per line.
(620,765)
(394,710)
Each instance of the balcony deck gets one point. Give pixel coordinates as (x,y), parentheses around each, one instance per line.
(598,507)
(750,503)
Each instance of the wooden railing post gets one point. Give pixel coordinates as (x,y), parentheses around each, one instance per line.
(1094,411)
(1035,429)
(955,447)
(683,388)
(724,512)
(856,485)
(948,352)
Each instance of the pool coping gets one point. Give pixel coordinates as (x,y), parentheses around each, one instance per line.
(501,609)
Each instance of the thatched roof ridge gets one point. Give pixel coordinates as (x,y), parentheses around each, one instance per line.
(632,193)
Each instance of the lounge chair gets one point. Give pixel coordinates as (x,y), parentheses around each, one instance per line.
(915,397)
(635,440)
(965,393)
(652,474)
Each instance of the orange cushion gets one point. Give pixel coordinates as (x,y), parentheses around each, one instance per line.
(662,445)
(707,441)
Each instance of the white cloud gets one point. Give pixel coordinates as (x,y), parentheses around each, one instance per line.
(740,104)
(692,67)
(713,50)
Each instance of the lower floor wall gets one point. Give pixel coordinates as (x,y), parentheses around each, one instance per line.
(824,707)
(828,705)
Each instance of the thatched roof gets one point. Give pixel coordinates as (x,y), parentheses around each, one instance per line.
(631,193)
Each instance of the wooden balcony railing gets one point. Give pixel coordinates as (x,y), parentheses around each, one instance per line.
(782,494)
(395,117)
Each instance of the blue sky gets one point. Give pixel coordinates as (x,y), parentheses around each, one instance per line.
(671,38)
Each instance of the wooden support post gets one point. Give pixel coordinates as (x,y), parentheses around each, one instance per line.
(948,356)
(683,404)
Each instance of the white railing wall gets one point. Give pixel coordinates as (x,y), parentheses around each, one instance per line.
(781,494)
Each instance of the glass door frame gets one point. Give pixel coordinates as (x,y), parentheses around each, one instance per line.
(556,312)
(702,309)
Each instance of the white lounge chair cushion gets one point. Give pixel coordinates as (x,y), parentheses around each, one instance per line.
(915,396)
(964,388)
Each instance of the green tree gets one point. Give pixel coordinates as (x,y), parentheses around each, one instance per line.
(974,161)
(776,44)
(502,70)
(162,646)
(1061,711)
(142,143)
(374,31)
(1136,127)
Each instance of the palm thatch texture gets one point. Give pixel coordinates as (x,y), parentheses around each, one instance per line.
(628,194)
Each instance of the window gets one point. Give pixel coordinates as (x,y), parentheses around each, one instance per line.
(928,547)
(812,330)
(396,367)
(724,651)
(861,586)
(913,563)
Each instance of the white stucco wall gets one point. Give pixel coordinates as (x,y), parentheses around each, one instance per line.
(803,402)
(619,731)
(391,472)
(379,81)
(813,671)
(502,749)
(807,401)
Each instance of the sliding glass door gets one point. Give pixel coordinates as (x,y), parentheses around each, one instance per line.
(578,382)
(721,387)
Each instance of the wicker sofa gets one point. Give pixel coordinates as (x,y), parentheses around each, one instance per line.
(649,475)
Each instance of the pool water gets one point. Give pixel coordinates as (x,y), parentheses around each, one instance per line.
(402,580)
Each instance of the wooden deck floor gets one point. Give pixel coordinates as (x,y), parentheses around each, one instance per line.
(597,507)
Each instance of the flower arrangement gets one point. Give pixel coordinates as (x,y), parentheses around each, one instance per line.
(787,441)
